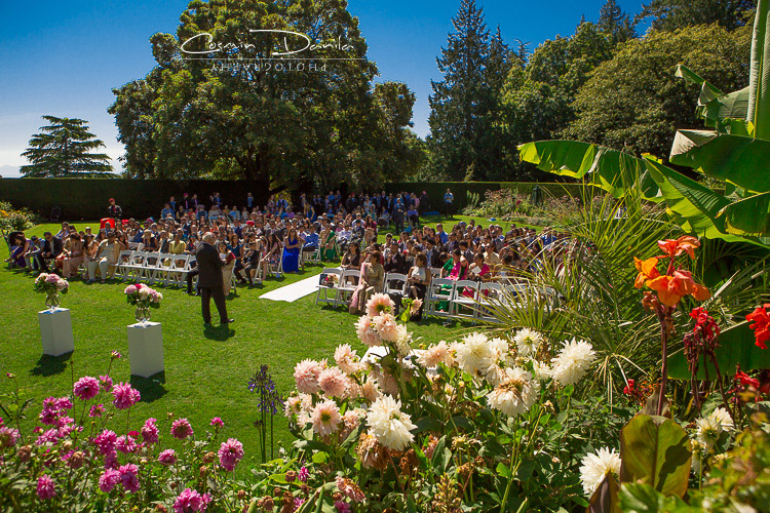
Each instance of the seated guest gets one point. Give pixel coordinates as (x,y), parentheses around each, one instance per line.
(52,248)
(372,281)
(107,256)
(311,240)
(352,258)
(395,262)
(72,256)
(291,249)
(19,247)
(90,254)
(251,260)
(149,242)
(329,244)
(418,280)
(273,255)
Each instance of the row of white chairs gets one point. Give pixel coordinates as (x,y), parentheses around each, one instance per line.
(163,268)
(462,299)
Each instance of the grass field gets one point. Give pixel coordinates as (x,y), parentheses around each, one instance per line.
(207,370)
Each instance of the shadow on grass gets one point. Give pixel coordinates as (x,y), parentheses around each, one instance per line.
(49,365)
(151,389)
(220,333)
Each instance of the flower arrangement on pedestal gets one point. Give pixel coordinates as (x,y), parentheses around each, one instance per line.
(144,298)
(52,286)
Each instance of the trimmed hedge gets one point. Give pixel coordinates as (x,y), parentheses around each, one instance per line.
(87,199)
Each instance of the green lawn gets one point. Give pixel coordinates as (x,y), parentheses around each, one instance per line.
(207,370)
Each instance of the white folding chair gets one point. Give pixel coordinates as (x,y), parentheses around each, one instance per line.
(490,294)
(135,246)
(395,283)
(175,272)
(124,259)
(153,264)
(348,284)
(435,295)
(464,296)
(435,272)
(326,299)
(135,267)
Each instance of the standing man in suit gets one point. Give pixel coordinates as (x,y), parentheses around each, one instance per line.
(210,280)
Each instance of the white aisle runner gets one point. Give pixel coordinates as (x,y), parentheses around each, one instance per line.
(293,292)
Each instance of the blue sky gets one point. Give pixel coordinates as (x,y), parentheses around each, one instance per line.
(63,58)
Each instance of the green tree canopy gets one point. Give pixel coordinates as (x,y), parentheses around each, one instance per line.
(671,15)
(635,103)
(254,114)
(63,149)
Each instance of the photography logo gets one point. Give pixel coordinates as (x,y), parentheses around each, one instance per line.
(268,50)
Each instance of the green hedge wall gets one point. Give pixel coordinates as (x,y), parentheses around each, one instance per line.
(87,199)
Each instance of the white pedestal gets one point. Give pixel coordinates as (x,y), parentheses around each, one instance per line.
(56,331)
(145,349)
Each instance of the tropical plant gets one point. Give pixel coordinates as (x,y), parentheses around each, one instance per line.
(64,149)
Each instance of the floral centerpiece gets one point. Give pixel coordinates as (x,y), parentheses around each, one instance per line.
(144,298)
(331,280)
(51,285)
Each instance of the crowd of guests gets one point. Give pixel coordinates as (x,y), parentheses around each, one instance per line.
(376,234)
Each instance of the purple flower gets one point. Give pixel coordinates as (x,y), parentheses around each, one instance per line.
(303,474)
(217,422)
(150,431)
(63,404)
(298,502)
(46,488)
(167,457)
(181,429)
(191,501)
(125,396)
(342,507)
(116,355)
(50,436)
(230,453)
(86,388)
(108,480)
(128,477)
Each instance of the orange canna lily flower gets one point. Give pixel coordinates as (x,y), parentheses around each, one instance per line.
(671,289)
(648,270)
(684,244)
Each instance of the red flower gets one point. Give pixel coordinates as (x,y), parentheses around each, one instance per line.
(629,389)
(761,325)
(684,244)
(746,380)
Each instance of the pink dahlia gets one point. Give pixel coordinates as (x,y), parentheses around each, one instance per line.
(129,478)
(150,432)
(190,501)
(126,445)
(167,457)
(333,382)
(125,396)
(386,327)
(46,488)
(51,436)
(230,453)
(86,388)
(8,436)
(342,507)
(378,305)
(63,404)
(326,418)
(105,442)
(181,429)
(106,383)
(96,410)
(366,332)
(347,359)
(217,422)
(108,480)
(303,474)
(130,290)
(306,375)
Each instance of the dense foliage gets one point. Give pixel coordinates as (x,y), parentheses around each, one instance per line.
(238,111)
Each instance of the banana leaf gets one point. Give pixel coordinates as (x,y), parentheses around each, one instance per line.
(750,216)
(613,171)
(759,74)
(739,160)
(714,105)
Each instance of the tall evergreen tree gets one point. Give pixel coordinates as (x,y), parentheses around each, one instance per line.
(458,102)
(615,23)
(63,149)
(671,15)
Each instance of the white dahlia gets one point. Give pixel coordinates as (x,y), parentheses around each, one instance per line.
(528,341)
(347,359)
(474,354)
(366,332)
(326,418)
(389,424)
(515,394)
(596,466)
(572,362)
(436,354)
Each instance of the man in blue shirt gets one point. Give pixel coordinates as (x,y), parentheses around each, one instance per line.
(167,211)
(441,233)
(448,200)
(250,201)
